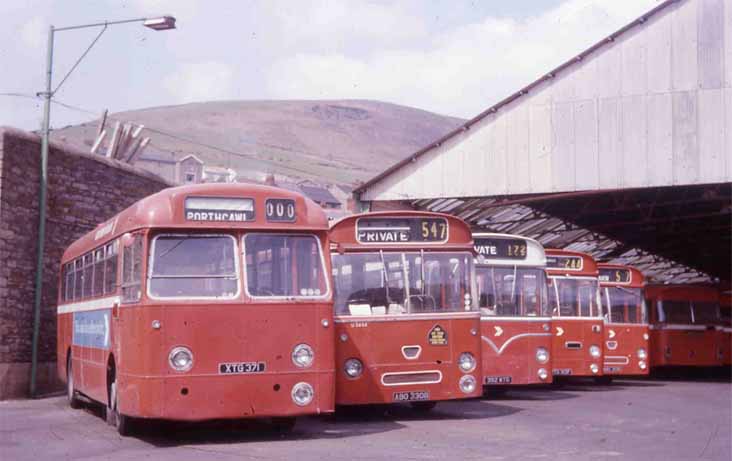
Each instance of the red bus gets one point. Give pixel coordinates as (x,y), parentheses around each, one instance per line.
(725,329)
(514,316)
(407,322)
(684,324)
(576,315)
(201,302)
(626,321)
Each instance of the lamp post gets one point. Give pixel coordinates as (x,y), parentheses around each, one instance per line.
(157,23)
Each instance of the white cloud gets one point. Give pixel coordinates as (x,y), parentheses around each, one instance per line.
(463,70)
(326,24)
(179,8)
(200,81)
(34,33)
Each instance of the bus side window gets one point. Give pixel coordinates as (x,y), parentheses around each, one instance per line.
(78,271)
(110,268)
(132,270)
(68,282)
(97,285)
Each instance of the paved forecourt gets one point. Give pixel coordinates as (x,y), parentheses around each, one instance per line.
(639,419)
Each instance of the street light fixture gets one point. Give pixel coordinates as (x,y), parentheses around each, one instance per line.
(155,23)
(161,23)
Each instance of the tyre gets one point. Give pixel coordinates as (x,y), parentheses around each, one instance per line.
(423,407)
(71,395)
(121,422)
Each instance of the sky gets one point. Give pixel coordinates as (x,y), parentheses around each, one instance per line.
(453,57)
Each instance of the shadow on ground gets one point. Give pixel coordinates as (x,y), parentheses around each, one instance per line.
(347,422)
(693,374)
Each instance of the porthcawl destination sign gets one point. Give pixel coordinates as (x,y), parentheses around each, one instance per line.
(219,209)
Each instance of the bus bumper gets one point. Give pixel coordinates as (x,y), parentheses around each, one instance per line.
(198,398)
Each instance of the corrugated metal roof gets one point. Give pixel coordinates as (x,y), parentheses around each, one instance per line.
(679,234)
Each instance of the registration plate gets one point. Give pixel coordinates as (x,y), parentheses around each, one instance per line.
(411,396)
(497,380)
(562,371)
(240,368)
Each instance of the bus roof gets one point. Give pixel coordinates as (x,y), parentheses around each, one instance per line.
(493,250)
(215,206)
(682,292)
(570,263)
(401,230)
(614,275)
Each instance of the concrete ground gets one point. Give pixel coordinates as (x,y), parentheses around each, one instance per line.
(629,419)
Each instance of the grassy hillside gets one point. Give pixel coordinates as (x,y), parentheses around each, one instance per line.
(331,141)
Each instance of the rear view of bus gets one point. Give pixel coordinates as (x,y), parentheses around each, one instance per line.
(684,326)
(407,324)
(515,322)
(576,316)
(201,302)
(626,322)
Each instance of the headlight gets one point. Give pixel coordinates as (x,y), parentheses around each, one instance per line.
(302,394)
(642,354)
(467,384)
(302,355)
(595,351)
(180,358)
(542,355)
(542,374)
(353,368)
(645,336)
(642,364)
(594,368)
(466,362)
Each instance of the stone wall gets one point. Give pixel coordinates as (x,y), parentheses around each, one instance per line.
(83,190)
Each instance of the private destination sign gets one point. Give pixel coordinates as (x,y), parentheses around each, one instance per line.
(500,248)
(401,230)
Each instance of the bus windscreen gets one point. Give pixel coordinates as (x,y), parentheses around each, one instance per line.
(623,305)
(193,266)
(512,291)
(574,297)
(282,265)
(381,283)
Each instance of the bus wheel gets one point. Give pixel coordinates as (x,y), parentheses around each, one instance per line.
(71,395)
(122,423)
(423,407)
(603,379)
(284,425)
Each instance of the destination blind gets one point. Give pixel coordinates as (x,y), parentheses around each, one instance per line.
(501,248)
(219,209)
(401,230)
(572,263)
(614,275)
